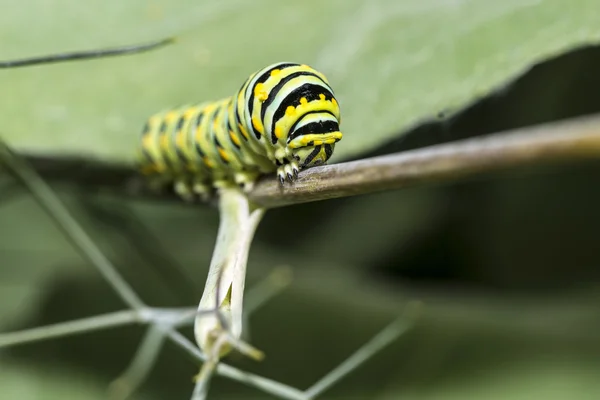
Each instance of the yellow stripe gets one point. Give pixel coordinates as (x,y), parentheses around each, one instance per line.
(223,154)
(234,138)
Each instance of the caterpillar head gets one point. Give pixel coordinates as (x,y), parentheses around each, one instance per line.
(310,121)
(312,144)
(311,156)
(307,151)
(304,157)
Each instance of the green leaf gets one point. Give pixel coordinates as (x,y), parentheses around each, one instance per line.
(391,63)
(60,382)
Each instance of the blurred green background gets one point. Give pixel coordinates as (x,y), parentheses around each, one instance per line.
(507,266)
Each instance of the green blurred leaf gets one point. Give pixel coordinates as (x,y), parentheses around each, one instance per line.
(392,63)
(35,383)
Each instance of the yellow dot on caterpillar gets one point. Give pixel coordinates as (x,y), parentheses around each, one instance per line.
(322,96)
(290,111)
(260,92)
(257,125)
(180,138)
(234,138)
(244,133)
(171,116)
(303,100)
(278,132)
(189,112)
(208,162)
(163,141)
(198,134)
(223,154)
(147,141)
(318,142)
(334,101)
(275,72)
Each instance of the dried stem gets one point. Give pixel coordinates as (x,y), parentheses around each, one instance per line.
(227,272)
(225,285)
(57,211)
(265,384)
(139,368)
(442,163)
(549,143)
(390,333)
(68,328)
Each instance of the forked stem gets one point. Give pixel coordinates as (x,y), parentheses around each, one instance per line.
(217,335)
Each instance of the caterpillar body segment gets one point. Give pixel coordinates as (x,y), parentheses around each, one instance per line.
(284,118)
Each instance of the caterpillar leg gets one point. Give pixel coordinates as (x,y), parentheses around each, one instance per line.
(184,190)
(288,171)
(245,180)
(202,189)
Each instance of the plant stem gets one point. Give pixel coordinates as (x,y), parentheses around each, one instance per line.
(63,329)
(56,210)
(564,141)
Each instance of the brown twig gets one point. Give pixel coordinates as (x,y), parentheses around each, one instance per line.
(561,141)
(570,140)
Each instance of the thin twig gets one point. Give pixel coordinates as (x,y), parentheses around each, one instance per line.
(378,342)
(124,221)
(162,317)
(86,54)
(265,384)
(570,140)
(55,209)
(549,143)
(139,368)
(63,329)
(148,350)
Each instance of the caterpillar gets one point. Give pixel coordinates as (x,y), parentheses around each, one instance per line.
(283,119)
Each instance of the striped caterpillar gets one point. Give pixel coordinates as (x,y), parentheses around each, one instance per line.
(284,118)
